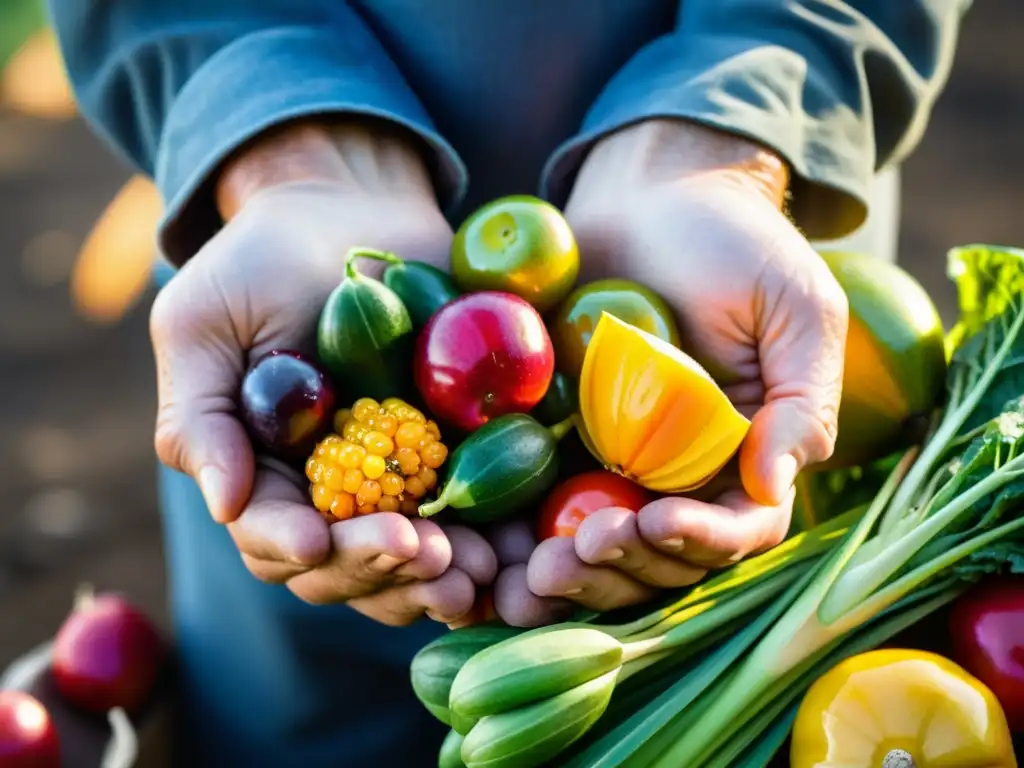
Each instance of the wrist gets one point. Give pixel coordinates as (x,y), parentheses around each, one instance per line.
(362,156)
(659,151)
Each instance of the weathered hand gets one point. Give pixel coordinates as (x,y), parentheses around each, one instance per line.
(695,214)
(295,204)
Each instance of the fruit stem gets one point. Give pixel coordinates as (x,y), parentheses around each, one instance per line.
(85,596)
(562,428)
(431,508)
(367,253)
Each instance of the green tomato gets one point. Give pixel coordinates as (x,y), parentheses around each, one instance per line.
(573,325)
(518,244)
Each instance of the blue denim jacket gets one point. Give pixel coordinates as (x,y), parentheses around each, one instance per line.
(511,94)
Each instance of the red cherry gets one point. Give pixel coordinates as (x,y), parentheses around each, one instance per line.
(287,403)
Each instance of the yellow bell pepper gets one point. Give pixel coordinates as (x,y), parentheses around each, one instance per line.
(652,413)
(900,708)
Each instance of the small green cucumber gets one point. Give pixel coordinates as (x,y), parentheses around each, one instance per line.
(450,755)
(365,337)
(435,666)
(462,725)
(536,733)
(502,468)
(423,288)
(531,667)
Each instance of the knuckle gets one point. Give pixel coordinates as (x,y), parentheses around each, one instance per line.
(313,595)
(164,315)
(397,620)
(830,304)
(268,573)
(819,420)
(167,439)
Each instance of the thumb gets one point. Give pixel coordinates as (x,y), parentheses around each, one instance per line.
(802,347)
(199,368)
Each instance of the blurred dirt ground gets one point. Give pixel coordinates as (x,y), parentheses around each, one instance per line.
(77,401)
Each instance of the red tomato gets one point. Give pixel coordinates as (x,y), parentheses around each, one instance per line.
(574,500)
(987,628)
(482,356)
(28,737)
(106,654)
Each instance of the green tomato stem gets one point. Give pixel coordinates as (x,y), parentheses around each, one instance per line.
(368,253)
(562,428)
(85,596)
(431,508)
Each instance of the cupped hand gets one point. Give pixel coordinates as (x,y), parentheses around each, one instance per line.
(294,205)
(696,215)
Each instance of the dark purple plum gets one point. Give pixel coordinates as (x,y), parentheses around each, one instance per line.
(287,403)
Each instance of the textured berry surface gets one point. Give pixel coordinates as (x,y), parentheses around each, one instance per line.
(381,457)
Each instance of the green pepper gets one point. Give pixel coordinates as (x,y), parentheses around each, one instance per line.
(517,244)
(574,323)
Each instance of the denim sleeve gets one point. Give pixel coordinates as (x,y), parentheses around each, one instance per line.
(176,86)
(839,89)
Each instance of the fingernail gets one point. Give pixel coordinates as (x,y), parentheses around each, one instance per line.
(611,556)
(571,592)
(213,485)
(385,563)
(783,475)
(676,545)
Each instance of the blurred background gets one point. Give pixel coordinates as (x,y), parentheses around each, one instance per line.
(77,390)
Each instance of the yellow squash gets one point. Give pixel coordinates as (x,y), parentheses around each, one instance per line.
(895,358)
(869,709)
(651,413)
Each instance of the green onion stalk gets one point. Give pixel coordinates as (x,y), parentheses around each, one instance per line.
(948,513)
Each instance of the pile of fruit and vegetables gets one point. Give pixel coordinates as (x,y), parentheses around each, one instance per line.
(888,629)
(105,664)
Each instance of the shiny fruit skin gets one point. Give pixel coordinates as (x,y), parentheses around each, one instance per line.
(987,632)
(573,324)
(895,368)
(287,403)
(423,289)
(575,499)
(560,401)
(502,469)
(481,356)
(517,244)
(365,337)
(28,736)
(107,654)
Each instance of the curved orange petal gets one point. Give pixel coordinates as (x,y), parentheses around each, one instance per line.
(652,412)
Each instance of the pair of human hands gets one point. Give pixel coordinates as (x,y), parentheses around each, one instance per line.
(689,211)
